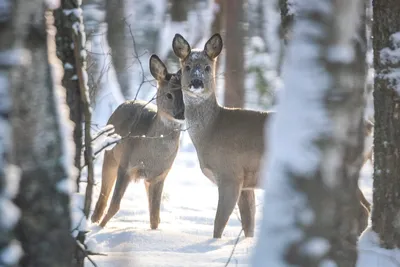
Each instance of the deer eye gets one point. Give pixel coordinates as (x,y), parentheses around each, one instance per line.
(169,95)
(187,68)
(208,68)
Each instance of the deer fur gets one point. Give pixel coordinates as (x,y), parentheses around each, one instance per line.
(149,146)
(229,141)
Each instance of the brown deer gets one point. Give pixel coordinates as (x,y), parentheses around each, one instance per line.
(149,146)
(229,141)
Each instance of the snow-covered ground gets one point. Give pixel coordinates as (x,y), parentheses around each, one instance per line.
(184,237)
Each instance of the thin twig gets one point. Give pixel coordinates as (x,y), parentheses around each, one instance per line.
(234,247)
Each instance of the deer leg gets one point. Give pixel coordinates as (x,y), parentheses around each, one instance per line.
(109,175)
(363,215)
(247,208)
(363,200)
(121,185)
(228,194)
(154,196)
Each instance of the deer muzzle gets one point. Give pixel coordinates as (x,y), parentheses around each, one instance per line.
(197,83)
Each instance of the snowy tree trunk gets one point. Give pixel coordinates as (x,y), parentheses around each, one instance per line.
(386,44)
(120,47)
(315,144)
(65,17)
(234,60)
(94,17)
(10,249)
(42,141)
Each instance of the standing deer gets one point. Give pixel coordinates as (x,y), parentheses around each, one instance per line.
(229,141)
(149,148)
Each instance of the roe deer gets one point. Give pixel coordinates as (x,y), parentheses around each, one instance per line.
(150,147)
(229,141)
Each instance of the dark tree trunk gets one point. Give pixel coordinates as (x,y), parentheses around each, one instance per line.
(234,47)
(39,142)
(11,16)
(386,200)
(65,52)
(178,10)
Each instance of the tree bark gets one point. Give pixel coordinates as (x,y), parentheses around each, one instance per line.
(41,138)
(117,40)
(234,60)
(9,173)
(386,201)
(286,21)
(311,206)
(65,52)
(218,27)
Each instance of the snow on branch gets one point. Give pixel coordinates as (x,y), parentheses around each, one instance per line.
(107,141)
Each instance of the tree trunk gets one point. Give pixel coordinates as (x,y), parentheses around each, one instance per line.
(120,48)
(93,26)
(286,21)
(65,52)
(41,133)
(9,174)
(311,204)
(386,201)
(234,60)
(217,27)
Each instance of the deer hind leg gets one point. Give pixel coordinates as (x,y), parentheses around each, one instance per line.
(363,200)
(109,175)
(228,194)
(154,194)
(247,208)
(121,185)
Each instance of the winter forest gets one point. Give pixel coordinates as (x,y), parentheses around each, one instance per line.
(156,133)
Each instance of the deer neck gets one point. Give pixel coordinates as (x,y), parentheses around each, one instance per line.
(200,115)
(166,125)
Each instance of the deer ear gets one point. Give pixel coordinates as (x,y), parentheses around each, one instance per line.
(180,46)
(213,47)
(157,68)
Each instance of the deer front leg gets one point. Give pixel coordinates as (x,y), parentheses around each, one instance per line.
(154,196)
(247,208)
(228,193)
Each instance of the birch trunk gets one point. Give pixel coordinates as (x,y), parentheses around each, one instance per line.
(311,206)
(41,131)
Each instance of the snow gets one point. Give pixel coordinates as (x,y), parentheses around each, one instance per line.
(52,4)
(390,58)
(9,211)
(189,201)
(10,254)
(64,124)
(66,186)
(187,217)
(68,66)
(372,255)
(77,12)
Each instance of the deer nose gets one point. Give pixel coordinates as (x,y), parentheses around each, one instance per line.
(196,83)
